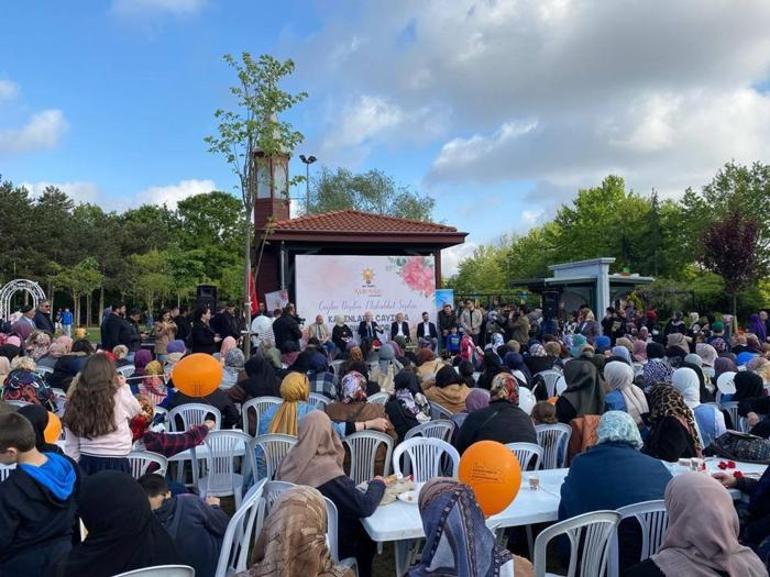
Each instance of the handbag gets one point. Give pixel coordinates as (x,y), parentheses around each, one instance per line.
(740,447)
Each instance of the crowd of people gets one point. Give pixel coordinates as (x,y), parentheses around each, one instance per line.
(637,391)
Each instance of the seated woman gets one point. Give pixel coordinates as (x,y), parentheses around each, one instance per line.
(624,395)
(428,366)
(219,399)
(710,421)
(492,366)
(476,400)
(514,362)
(627,476)
(751,403)
(353,407)
(153,384)
(538,359)
(502,421)
(702,535)
(232,370)
(672,426)
(458,540)
(583,395)
(24,384)
(656,370)
(123,534)
(449,390)
(293,539)
(408,406)
(316,461)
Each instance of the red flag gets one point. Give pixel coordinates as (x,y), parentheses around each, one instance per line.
(253,295)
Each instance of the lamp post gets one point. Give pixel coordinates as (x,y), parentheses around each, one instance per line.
(308,160)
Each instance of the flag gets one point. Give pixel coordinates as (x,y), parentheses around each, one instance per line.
(253,295)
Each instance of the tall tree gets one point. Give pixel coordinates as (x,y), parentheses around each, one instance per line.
(372,191)
(255,127)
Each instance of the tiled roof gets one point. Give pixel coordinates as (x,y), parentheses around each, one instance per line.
(354,221)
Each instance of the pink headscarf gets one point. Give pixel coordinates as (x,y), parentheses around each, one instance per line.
(227,345)
(640,351)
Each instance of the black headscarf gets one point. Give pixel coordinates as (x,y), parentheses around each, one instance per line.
(448,376)
(492,367)
(123,534)
(748,385)
(261,380)
(655,351)
(38,416)
(407,380)
(584,391)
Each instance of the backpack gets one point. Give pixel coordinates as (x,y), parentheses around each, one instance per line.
(740,447)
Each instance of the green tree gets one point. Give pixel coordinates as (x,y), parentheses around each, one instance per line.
(373,191)
(79,280)
(255,128)
(153,276)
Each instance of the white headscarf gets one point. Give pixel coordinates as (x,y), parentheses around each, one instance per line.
(686,381)
(620,377)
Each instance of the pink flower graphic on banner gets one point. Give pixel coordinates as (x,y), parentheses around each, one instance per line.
(418,275)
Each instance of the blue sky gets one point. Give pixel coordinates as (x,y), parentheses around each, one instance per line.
(501,110)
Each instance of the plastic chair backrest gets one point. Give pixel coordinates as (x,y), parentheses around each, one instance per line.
(527,400)
(554,439)
(126,370)
(234,554)
(161,571)
(589,538)
(192,414)
(439,412)
(275,447)
(43,370)
(653,519)
(363,447)
(525,452)
(732,409)
(379,398)
(425,458)
(223,447)
(140,461)
(438,429)
(5,470)
(550,377)
(318,400)
(259,405)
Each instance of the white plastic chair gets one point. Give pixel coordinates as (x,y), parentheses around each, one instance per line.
(241,531)
(140,461)
(18,404)
(318,400)
(363,447)
(439,429)
(439,412)
(561,386)
(425,458)
(274,448)
(653,519)
(161,571)
(589,537)
(192,414)
(638,369)
(332,520)
(379,398)
(43,370)
(739,424)
(554,439)
(126,371)
(259,405)
(221,480)
(5,470)
(527,400)
(550,377)
(525,452)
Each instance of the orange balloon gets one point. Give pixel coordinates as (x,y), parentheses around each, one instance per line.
(52,430)
(494,474)
(197,375)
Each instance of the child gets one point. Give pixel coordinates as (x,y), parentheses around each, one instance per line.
(196,527)
(97,418)
(544,413)
(453,342)
(37,502)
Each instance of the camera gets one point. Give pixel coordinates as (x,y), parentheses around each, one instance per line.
(300,320)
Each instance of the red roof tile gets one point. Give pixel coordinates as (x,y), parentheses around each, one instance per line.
(354,221)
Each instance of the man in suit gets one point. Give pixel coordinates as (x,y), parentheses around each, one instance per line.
(43,317)
(427,330)
(367,331)
(399,328)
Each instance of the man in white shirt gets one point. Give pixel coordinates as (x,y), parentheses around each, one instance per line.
(399,328)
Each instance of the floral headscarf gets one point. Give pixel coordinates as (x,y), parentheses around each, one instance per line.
(504,387)
(618,426)
(409,394)
(353,387)
(719,344)
(537,350)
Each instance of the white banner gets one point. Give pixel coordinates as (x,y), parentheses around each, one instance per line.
(351,285)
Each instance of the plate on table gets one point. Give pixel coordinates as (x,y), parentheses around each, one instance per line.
(410,497)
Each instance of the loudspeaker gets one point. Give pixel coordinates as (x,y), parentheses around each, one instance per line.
(550,304)
(206,294)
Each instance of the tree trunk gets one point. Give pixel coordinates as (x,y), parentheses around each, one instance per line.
(89,316)
(247,285)
(101,302)
(734,312)
(76,298)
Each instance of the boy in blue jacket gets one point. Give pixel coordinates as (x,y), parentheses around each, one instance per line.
(37,502)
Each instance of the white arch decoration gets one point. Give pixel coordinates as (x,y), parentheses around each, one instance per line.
(11,288)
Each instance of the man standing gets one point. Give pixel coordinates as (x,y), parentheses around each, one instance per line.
(183,328)
(226,324)
(286,328)
(113,326)
(470,321)
(399,328)
(66,322)
(427,330)
(262,329)
(28,316)
(42,318)
(446,320)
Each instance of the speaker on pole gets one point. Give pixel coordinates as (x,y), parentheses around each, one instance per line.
(206,295)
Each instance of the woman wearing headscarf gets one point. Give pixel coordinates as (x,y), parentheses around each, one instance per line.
(142,358)
(316,461)
(458,540)
(624,395)
(153,384)
(639,351)
(514,362)
(233,369)
(352,407)
(341,334)
(38,416)
(627,476)
(123,534)
(228,344)
(757,326)
(502,421)
(673,434)
(657,370)
(583,395)
(449,390)
(724,365)
(707,353)
(293,539)
(710,421)
(24,384)
(70,364)
(408,406)
(538,359)
(427,366)
(492,367)
(702,535)
(477,399)
(622,354)
(260,378)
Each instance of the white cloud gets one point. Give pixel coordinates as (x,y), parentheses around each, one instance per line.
(79,191)
(43,131)
(142,7)
(171,194)
(8,90)
(453,256)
